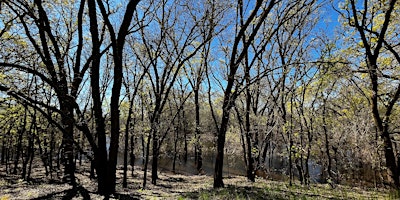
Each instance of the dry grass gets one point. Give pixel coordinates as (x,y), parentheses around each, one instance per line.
(176,186)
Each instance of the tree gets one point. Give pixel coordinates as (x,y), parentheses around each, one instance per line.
(376,32)
(50,55)
(178,33)
(253,27)
(107,167)
(196,69)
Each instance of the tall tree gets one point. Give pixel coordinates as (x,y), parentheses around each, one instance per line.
(252,22)
(178,30)
(106,164)
(48,41)
(373,21)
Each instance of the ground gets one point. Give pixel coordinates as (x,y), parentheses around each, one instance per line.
(178,186)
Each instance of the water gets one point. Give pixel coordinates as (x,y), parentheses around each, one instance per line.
(232,166)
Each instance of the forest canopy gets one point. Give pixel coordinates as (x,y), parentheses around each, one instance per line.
(304,90)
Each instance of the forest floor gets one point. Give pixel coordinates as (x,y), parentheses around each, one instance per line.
(177,186)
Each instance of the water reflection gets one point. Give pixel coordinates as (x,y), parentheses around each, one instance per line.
(233,165)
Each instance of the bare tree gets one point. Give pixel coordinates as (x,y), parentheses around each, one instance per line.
(373,25)
(175,44)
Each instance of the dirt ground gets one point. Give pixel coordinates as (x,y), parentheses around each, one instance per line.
(171,186)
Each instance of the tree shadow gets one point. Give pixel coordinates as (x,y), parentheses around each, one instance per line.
(126,196)
(246,192)
(233,192)
(80,191)
(67,194)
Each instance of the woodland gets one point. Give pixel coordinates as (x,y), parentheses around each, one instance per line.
(124,93)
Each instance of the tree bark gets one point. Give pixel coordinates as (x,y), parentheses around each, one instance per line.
(100,154)
(198,156)
(219,161)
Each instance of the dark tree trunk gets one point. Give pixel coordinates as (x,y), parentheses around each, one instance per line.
(198,156)
(68,149)
(100,154)
(372,52)
(290,160)
(42,153)
(51,153)
(155,122)
(175,148)
(58,166)
(107,167)
(132,154)
(250,158)
(146,162)
(154,165)
(219,161)
(8,154)
(143,149)
(31,156)
(21,132)
(307,170)
(45,156)
(250,164)
(3,150)
(299,167)
(115,126)
(18,150)
(327,145)
(125,170)
(126,143)
(25,159)
(185,156)
(393,172)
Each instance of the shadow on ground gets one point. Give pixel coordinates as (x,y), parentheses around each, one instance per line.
(246,192)
(81,192)
(234,192)
(67,194)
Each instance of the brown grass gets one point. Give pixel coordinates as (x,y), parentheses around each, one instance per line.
(174,186)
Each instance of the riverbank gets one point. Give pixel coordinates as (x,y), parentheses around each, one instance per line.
(177,186)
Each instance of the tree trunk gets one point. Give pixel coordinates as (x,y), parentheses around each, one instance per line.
(219,161)
(31,156)
(69,164)
(327,145)
(143,149)
(154,165)
(198,156)
(185,156)
(100,154)
(250,164)
(393,172)
(126,145)
(51,153)
(3,150)
(175,148)
(132,154)
(115,126)
(21,132)
(146,162)
(117,44)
